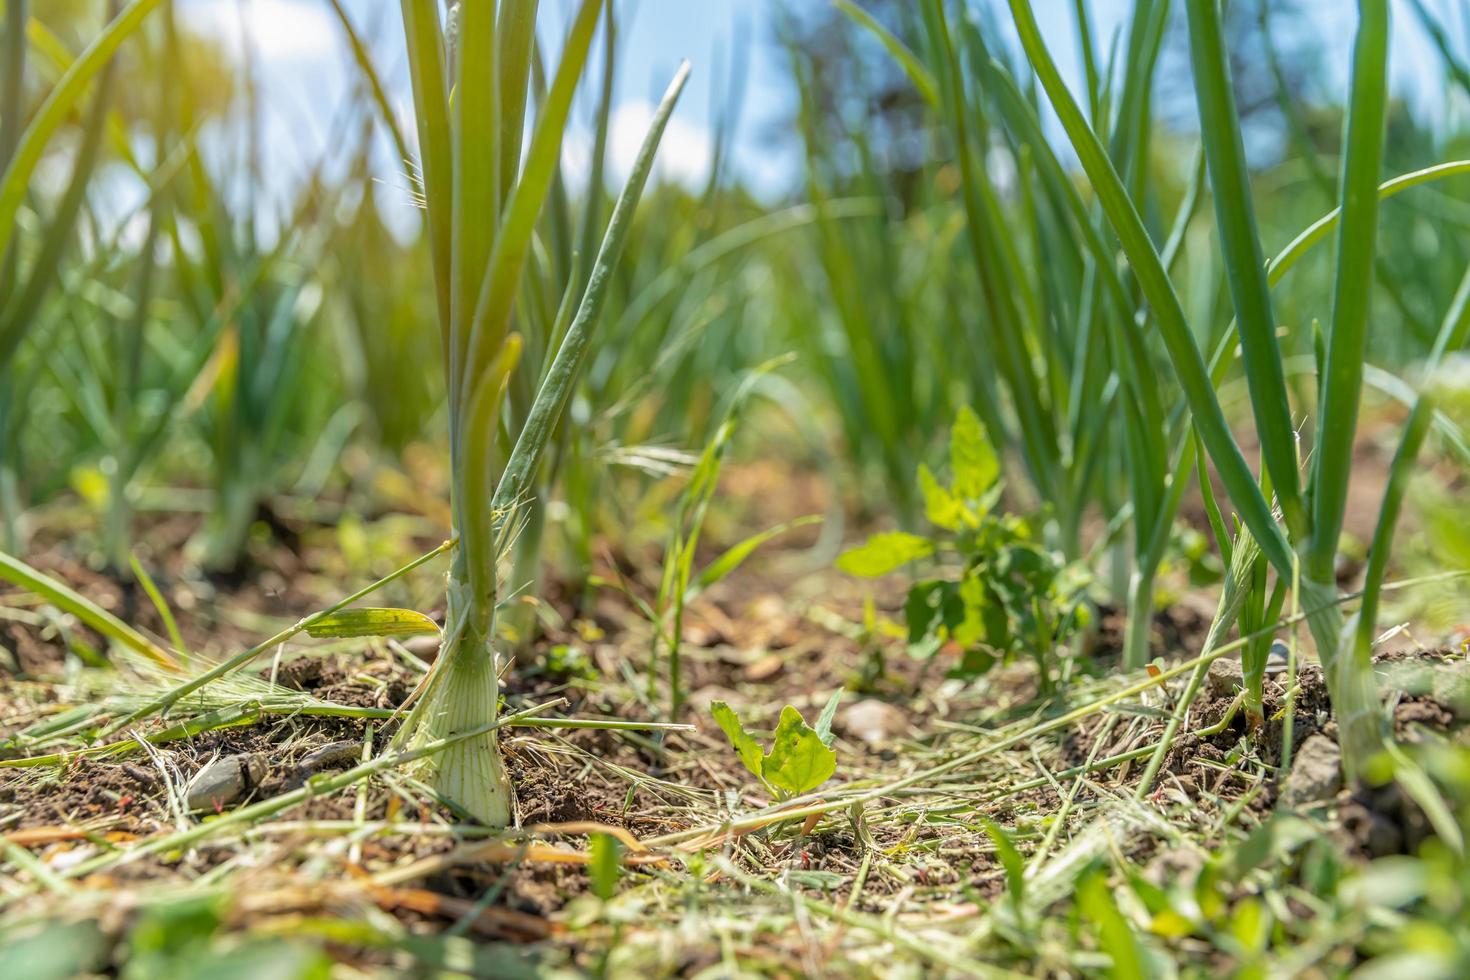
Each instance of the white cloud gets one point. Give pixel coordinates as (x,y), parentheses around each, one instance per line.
(685,153)
(282,30)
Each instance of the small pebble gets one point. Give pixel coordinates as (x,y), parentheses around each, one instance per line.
(224,781)
(1316,773)
(331,754)
(873,721)
(1277,659)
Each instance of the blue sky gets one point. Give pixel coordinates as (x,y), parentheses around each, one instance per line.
(307,70)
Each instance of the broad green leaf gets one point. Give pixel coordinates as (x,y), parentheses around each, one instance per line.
(921,608)
(54,952)
(1250,924)
(883,553)
(373,621)
(942,508)
(606,865)
(1114,934)
(747,748)
(971,629)
(798,761)
(974,662)
(971,457)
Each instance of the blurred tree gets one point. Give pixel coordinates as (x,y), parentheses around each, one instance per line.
(863,110)
(1275,49)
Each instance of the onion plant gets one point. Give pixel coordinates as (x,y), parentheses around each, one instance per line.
(126,397)
(1305,551)
(1061,361)
(29,270)
(628,414)
(483,195)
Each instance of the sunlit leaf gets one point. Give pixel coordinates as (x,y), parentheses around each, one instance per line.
(883,553)
(942,508)
(373,621)
(746,747)
(971,456)
(798,762)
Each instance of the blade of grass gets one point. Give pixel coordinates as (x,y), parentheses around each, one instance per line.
(171,697)
(922,78)
(1244,264)
(1357,246)
(516,34)
(1350,681)
(431,109)
(496,286)
(68,600)
(556,390)
(155,596)
(1154,281)
(475,136)
(374,81)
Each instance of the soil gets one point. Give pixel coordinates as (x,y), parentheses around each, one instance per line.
(774,633)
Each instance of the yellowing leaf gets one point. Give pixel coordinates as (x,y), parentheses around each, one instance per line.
(90,484)
(883,553)
(1171,924)
(370,621)
(971,457)
(798,761)
(942,508)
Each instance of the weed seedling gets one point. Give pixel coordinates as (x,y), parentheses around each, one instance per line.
(800,758)
(1012,595)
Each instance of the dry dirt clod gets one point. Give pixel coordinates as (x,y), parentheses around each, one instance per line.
(873,721)
(224,781)
(318,760)
(1223,678)
(1315,775)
